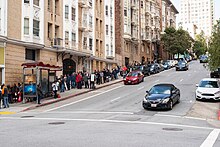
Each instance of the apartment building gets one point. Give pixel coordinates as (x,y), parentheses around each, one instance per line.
(69,33)
(198,12)
(150,30)
(168,19)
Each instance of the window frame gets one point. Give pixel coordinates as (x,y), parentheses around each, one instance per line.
(36,28)
(66,12)
(26,27)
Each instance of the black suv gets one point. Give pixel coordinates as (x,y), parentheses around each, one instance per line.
(215,73)
(145,69)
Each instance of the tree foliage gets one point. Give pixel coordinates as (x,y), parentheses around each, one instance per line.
(176,41)
(200,46)
(214,48)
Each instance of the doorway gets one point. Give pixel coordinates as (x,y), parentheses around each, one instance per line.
(69,66)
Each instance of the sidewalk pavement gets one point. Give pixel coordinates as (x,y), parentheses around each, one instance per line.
(20,107)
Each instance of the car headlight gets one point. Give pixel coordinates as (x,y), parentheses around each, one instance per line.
(217,92)
(199,92)
(135,79)
(166,100)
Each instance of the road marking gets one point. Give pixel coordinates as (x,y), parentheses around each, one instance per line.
(156,81)
(140,88)
(178,116)
(181,80)
(83,99)
(210,140)
(108,121)
(116,99)
(87,112)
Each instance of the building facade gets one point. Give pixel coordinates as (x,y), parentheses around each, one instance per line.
(69,33)
(200,13)
(168,19)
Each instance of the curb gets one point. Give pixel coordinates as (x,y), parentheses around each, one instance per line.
(67,97)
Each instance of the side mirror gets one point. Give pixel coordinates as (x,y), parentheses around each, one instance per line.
(173,91)
(147,91)
(197,85)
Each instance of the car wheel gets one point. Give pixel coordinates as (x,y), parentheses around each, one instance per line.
(178,101)
(171,105)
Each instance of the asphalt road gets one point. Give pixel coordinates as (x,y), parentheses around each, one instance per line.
(113,117)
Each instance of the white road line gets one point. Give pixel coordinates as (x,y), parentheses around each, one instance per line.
(210,140)
(178,116)
(108,121)
(87,112)
(140,88)
(116,99)
(156,81)
(181,80)
(83,99)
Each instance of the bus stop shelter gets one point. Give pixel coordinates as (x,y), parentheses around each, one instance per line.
(38,73)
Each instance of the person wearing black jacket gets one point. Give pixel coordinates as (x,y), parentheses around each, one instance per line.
(39,93)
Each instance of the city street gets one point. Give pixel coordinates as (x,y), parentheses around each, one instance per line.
(114,117)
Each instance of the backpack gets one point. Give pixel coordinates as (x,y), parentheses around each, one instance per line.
(3,90)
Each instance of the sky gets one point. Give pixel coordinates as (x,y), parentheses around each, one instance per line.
(216,2)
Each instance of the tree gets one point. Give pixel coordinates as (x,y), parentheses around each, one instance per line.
(214,48)
(200,45)
(176,41)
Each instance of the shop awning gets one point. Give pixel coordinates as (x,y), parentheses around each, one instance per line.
(42,66)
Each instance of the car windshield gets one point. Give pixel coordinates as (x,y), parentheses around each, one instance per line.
(209,84)
(132,74)
(160,90)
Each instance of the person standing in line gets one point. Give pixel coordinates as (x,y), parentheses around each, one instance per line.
(92,81)
(0,97)
(55,88)
(5,96)
(39,94)
(86,80)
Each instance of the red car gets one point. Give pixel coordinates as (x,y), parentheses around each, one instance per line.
(134,77)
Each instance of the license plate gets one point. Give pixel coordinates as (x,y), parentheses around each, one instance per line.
(153,105)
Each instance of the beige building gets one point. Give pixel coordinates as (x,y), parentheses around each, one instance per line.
(70,34)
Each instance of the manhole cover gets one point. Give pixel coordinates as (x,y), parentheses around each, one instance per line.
(172,129)
(27,116)
(56,123)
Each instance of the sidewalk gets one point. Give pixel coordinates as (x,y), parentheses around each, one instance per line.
(20,107)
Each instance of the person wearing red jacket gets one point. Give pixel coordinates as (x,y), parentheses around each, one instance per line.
(79,81)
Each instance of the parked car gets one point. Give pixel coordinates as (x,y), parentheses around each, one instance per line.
(161,96)
(203,59)
(161,67)
(145,69)
(208,88)
(182,65)
(154,68)
(215,73)
(134,77)
(166,65)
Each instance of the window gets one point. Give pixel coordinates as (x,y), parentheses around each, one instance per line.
(73,37)
(106,10)
(85,41)
(111,11)
(26,26)
(57,7)
(142,4)
(66,37)
(36,27)
(90,43)
(66,12)
(30,54)
(106,29)
(125,12)
(36,2)
(111,30)
(73,14)
(49,33)
(26,1)
(107,49)
(0,18)
(49,5)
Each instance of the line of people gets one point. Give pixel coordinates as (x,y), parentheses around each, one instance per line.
(80,79)
(10,94)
